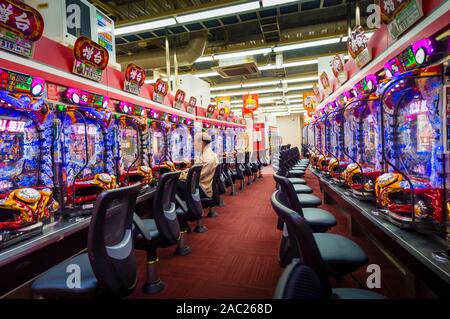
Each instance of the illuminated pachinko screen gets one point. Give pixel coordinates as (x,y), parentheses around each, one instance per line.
(19,152)
(370,153)
(81,136)
(178,144)
(128,144)
(351,127)
(158,149)
(418,148)
(335,134)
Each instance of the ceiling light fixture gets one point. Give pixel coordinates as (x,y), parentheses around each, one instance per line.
(308,44)
(146,26)
(218,12)
(302,79)
(206,74)
(241,53)
(270,3)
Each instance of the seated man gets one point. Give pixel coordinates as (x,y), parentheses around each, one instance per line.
(208,159)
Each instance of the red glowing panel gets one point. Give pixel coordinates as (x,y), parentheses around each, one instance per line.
(134,73)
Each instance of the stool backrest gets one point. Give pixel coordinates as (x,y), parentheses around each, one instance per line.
(216,184)
(299,281)
(192,194)
(288,188)
(110,240)
(301,239)
(164,208)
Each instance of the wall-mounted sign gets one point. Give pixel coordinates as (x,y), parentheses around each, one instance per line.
(337,67)
(90,59)
(179,100)
(134,79)
(20,26)
(210,111)
(83,98)
(357,47)
(367,85)
(191,105)
(160,90)
(400,15)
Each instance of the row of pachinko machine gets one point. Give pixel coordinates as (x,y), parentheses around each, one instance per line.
(58,154)
(386,140)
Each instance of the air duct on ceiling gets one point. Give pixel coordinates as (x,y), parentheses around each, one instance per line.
(186,55)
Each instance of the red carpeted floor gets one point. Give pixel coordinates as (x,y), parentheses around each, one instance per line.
(238,256)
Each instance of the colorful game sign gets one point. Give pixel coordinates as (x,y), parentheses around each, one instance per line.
(191,105)
(400,15)
(415,56)
(357,47)
(20,26)
(367,85)
(130,109)
(309,101)
(90,59)
(224,102)
(179,100)
(160,90)
(18,82)
(317,93)
(250,104)
(83,98)
(134,79)
(222,113)
(337,67)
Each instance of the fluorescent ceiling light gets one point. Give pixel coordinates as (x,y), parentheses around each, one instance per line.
(308,44)
(267,67)
(204,59)
(219,12)
(256,84)
(146,26)
(269,3)
(205,75)
(241,53)
(226,87)
(300,87)
(302,79)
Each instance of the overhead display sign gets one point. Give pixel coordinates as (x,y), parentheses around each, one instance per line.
(134,79)
(325,73)
(160,90)
(90,59)
(337,68)
(309,102)
(210,111)
(224,102)
(250,104)
(20,26)
(400,15)
(180,95)
(357,47)
(191,105)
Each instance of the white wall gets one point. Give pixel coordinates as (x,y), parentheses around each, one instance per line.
(290,129)
(196,87)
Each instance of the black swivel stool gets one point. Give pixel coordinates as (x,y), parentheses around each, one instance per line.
(163,230)
(328,254)
(109,266)
(214,200)
(189,208)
